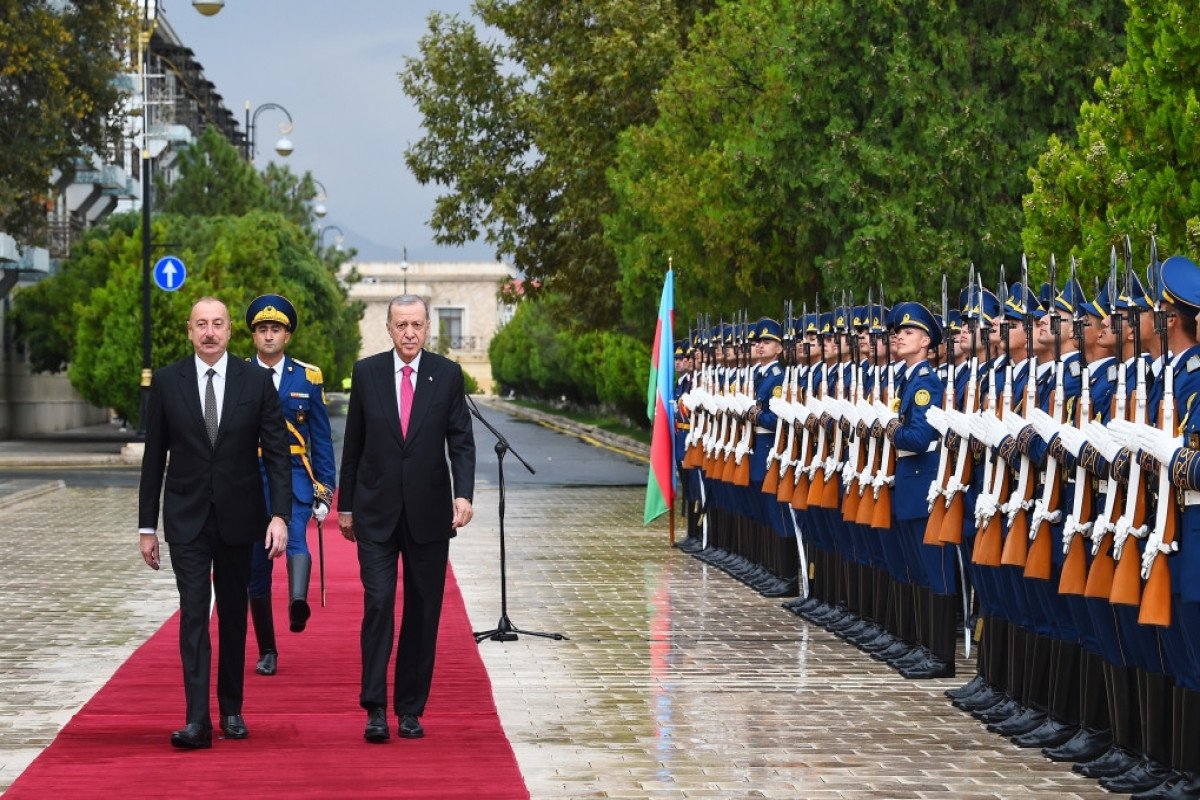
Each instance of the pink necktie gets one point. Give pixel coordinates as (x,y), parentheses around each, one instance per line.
(406,398)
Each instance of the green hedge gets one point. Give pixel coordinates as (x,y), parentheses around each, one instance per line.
(536,357)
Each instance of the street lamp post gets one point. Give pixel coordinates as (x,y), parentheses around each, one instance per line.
(404,269)
(319,209)
(208,8)
(321,237)
(149,21)
(284,146)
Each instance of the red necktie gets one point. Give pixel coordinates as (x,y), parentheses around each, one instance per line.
(406,398)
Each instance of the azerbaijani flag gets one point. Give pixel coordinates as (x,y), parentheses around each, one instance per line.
(660,487)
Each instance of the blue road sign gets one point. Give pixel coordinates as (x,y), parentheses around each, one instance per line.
(169,273)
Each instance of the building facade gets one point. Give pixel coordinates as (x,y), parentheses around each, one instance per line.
(464,306)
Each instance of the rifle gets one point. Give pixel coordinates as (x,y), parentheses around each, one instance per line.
(855,455)
(1046,511)
(987,517)
(1100,576)
(813,497)
(829,491)
(1156,595)
(738,468)
(881,484)
(952,524)
(1073,579)
(937,511)
(794,449)
(771,481)
(865,508)
(1126,584)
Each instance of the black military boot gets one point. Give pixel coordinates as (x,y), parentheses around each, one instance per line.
(299,568)
(264,632)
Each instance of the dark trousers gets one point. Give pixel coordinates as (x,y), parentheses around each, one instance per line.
(424,584)
(229,567)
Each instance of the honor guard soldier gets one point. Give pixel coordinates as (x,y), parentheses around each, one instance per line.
(272,321)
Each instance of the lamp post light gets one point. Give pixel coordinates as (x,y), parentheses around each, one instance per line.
(337,242)
(284,146)
(404,269)
(208,8)
(145,35)
(319,209)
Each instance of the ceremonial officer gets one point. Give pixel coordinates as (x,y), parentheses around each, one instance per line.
(915,332)
(272,320)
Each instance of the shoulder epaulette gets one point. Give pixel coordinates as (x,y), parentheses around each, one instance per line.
(923,371)
(313,373)
(1193,363)
(1074,369)
(1112,372)
(775,370)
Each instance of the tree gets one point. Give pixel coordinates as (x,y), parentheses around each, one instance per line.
(59,97)
(833,145)
(522,132)
(232,258)
(1133,167)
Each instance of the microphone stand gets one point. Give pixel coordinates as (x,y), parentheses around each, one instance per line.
(504,631)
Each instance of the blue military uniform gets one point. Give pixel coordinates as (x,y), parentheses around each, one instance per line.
(314,478)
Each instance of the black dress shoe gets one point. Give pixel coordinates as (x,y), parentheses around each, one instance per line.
(931,668)
(849,621)
(1083,746)
(786,589)
(1028,720)
(881,642)
(410,727)
(869,633)
(377,729)
(1115,761)
(998,712)
(193,736)
(234,727)
(1146,774)
(971,687)
(986,697)
(798,603)
(914,656)
(1050,733)
(1174,787)
(896,650)
(267,663)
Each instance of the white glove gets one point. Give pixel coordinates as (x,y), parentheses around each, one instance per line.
(849,473)
(850,414)
(320,510)
(884,414)
(959,422)
(1098,435)
(1126,433)
(1072,439)
(866,412)
(1042,423)
(1158,443)
(985,507)
(780,408)
(1013,423)
(937,418)
(987,429)
(935,491)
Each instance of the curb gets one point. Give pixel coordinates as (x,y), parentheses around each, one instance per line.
(30,493)
(9,460)
(589,433)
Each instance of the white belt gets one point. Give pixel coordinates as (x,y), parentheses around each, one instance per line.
(906,453)
(1191,498)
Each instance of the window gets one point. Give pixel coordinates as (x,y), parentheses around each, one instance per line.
(450,327)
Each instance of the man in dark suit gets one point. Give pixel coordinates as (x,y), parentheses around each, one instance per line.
(407,413)
(211,412)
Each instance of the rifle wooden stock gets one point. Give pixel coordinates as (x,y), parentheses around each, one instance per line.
(987,552)
(741,471)
(1100,576)
(881,512)
(801,491)
(771,482)
(816,489)
(1074,575)
(850,504)
(933,527)
(1156,594)
(952,520)
(866,508)
(1037,559)
(1127,580)
(785,486)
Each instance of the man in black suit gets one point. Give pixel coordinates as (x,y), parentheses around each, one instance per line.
(211,413)
(407,413)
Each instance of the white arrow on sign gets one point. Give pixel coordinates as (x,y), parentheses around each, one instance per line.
(170,271)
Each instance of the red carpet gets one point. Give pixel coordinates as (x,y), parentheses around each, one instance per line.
(305,724)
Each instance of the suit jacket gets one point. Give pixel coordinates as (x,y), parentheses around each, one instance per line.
(385,474)
(302,396)
(200,474)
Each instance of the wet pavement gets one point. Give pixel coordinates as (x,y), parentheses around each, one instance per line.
(675,680)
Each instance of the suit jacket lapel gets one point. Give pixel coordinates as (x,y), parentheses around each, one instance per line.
(427,380)
(235,387)
(189,387)
(387,394)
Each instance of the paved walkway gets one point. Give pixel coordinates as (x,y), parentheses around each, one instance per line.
(675,682)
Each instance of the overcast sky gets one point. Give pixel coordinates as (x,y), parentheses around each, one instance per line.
(333,65)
